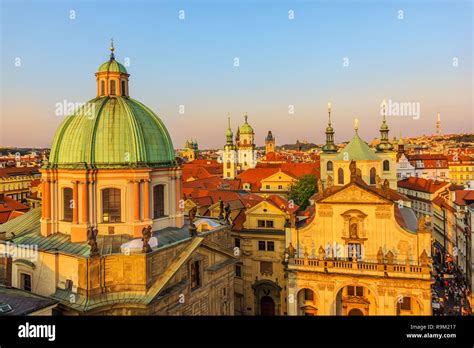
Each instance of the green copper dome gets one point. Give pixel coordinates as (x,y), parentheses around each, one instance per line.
(112,66)
(118,132)
(246,128)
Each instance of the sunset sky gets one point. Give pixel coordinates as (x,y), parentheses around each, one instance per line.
(425,58)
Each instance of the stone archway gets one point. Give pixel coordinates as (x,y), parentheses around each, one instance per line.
(307,302)
(267,292)
(355,312)
(355,300)
(408,305)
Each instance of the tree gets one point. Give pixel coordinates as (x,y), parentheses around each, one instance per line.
(303,189)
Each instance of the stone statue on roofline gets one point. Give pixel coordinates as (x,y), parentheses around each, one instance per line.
(380,258)
(390,257)
(221,209)
(227,213)
(146,232)
(353,170)
(192,217)
(329,182)
(92,241)
(321,253)
(378,182)
(320,186)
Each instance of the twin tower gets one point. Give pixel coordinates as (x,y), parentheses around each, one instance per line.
(241,155)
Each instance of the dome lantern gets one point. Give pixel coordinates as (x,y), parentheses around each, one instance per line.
(112,77)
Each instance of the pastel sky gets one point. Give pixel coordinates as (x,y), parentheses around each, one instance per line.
(423,58)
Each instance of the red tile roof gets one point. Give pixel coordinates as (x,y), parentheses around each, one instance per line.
(464,197)
(17,171)
(8,206)
(422,185)
(254,176)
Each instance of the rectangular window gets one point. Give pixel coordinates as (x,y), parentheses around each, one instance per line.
(270,246)
(261,223)
(261,245)
(350,291)
(238,271)
(280,187)
(111,205)
(25,281)
(195,275)
(158,201)
(269,224)
(267,187)
(237,242)
(68,204)
(359,291)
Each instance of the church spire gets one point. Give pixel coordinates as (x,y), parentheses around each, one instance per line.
(229,133)
(329,146)
(112,49)
(384,144)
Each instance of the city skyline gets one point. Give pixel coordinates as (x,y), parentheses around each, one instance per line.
(284,65)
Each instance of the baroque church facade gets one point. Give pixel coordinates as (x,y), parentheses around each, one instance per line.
(359,250)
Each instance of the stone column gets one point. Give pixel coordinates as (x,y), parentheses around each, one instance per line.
(84,203)
(46,199)
(146,199)
(75,201)
(136,201)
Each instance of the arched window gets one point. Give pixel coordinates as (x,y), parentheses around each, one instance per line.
(372,176)
(329,166)
(123,87)
(158,201)
(111,206)
(386,166)
(228,164)
(340,176)
(68,204)
(112,87)
(102,87)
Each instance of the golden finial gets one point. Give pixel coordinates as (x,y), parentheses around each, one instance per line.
(329,113)
(384,108)
(112,49)
(356,124)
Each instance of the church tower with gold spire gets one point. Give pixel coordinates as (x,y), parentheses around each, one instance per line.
(229,160)
(329,152)
(386,152)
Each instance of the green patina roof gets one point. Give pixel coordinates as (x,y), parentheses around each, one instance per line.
(113,66)
(246,128)
(356,150)
(112,132)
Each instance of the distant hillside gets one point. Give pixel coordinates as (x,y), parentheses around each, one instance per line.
(304,147)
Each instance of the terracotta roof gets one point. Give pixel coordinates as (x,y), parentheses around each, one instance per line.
(282,203)
(463,197)
(9,205)
(18,171)
(422,185)
(35,182)
(460,159)
(254,176)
